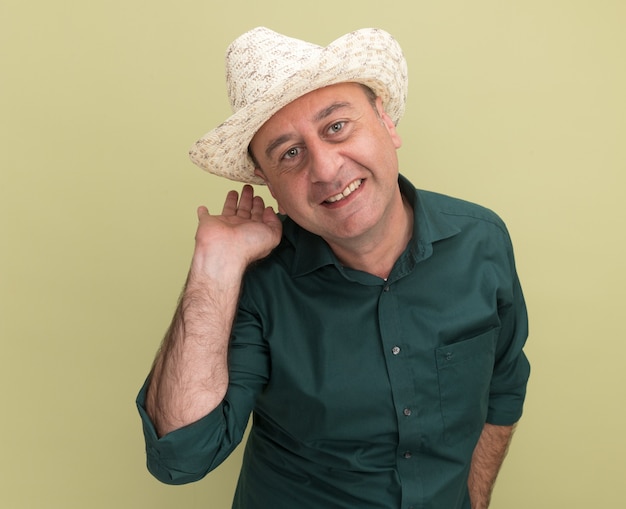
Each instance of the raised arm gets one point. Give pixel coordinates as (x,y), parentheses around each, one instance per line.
(190,373)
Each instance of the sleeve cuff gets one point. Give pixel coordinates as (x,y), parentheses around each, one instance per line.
(186,454)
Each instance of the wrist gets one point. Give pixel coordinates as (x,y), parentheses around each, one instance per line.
(217,270)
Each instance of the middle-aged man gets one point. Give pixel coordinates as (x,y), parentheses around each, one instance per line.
(374,331)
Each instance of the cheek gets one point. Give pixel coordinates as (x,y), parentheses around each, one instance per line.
(296,205)
(287,198)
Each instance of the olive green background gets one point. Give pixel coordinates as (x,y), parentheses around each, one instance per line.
(518,105)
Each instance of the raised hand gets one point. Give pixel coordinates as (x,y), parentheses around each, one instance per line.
(245,231)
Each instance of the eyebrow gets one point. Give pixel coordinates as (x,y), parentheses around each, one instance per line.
(319,116)
(326,112)
(276,143)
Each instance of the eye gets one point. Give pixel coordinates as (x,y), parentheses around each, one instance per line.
(291,153)
(336,127)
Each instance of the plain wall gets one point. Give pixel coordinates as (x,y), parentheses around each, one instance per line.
(518,105)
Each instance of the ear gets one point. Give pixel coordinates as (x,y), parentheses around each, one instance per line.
(259,173)
(388,123)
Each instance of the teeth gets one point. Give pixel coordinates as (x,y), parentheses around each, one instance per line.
(346,192)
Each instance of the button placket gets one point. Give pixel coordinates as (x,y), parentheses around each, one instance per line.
(397,352)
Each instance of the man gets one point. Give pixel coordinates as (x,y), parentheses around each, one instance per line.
(374,331)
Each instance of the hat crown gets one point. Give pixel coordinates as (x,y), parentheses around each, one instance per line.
(260,59)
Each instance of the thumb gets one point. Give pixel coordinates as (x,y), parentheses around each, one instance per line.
(202,212)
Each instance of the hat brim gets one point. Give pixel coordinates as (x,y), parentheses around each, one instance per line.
(368,56)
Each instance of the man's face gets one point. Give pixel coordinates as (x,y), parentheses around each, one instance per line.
(329,159)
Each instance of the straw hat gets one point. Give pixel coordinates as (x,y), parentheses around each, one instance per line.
(265,71)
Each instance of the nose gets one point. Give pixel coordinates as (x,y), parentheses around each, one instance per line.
(325,161)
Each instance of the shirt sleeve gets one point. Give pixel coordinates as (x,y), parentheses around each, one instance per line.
(189,453)
(511,368)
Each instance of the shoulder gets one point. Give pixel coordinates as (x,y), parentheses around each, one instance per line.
(458,211)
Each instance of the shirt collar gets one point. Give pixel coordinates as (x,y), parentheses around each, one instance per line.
(312,252)
(429,225)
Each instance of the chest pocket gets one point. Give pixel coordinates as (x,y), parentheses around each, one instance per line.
(464,371)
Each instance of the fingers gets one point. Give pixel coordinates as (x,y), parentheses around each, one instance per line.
(258,206)
(271,219)
(230,204)
(246,206)
(247,202)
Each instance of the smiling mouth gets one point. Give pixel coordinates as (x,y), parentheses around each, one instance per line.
(346,192)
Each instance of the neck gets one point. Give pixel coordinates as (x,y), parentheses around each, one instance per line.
(378,253)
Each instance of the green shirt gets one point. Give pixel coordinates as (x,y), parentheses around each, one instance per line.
(366,393)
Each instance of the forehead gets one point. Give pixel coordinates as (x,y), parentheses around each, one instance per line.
(312,107)
(352,91)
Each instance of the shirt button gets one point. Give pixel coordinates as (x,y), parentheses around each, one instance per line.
(407,411)
(386,288)
(395,350)
(407,455)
